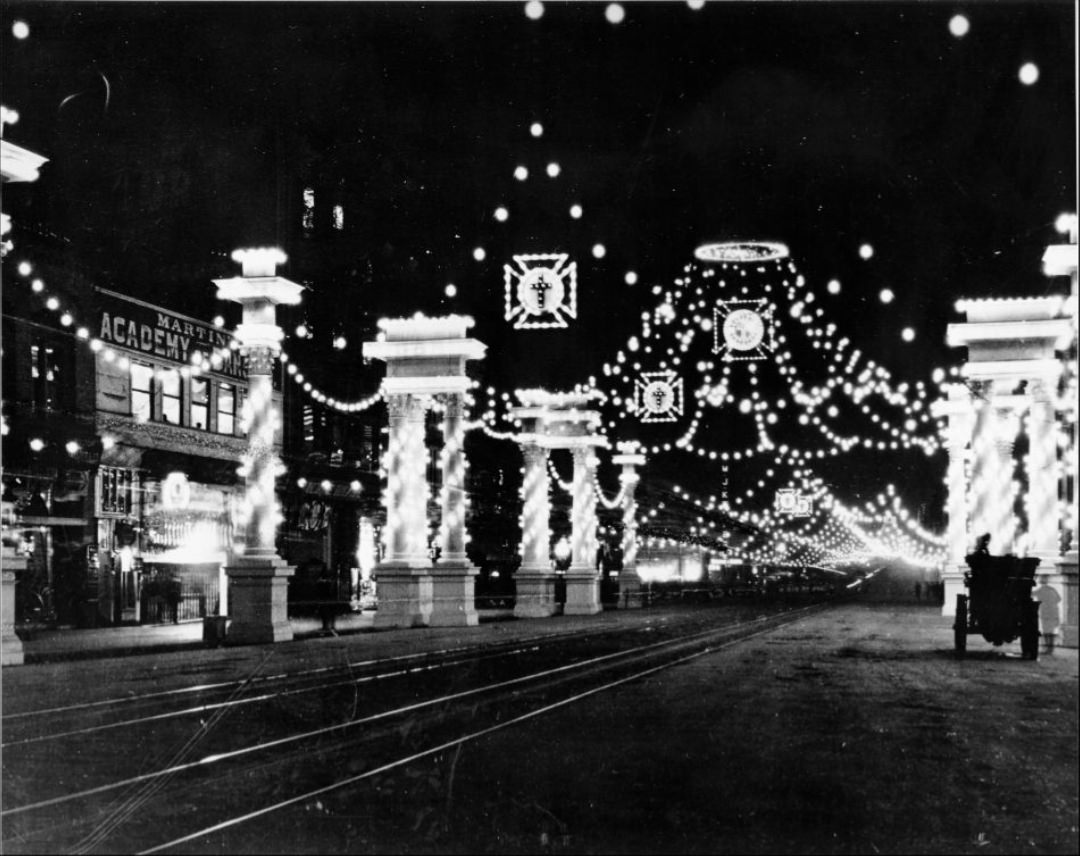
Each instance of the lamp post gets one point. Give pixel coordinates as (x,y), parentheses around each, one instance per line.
(258,578)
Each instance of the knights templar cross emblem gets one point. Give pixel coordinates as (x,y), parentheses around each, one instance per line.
(541,290)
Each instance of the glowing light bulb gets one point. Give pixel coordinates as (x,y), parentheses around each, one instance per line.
(575,211)
(536,129)
(479,254)
(72,447)
(599,251)
(534,10)
(501,214)
(631,277)
(20,30)
(614,13)
(959,26)
(25,268)
(553,169)
(1029,73)
(886,295)
(908,335)
(37,444)
(521,173)
(834,286)
(866,251)
(450,290)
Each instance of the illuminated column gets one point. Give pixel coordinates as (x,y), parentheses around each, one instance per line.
(258,578)
(629,581)
(453,491)
(1061,260)
(958,434)
(425,358)
(453,578)
(992,472)
(1043,510)
(582,578)
(535,579)
(406,514)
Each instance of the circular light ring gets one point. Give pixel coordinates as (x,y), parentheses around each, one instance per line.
(742,252)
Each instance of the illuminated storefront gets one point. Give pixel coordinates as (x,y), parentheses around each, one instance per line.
(169,396)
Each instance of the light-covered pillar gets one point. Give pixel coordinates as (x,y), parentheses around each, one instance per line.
(582,578)
(404,579)
(535,580)
(453,578)
(993,471)
(629,580)
(1043,510)
(1061,260)
(957,409)
(258,579)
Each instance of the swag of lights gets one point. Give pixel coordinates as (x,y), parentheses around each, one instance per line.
(685,312)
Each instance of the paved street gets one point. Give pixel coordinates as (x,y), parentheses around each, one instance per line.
(853,730)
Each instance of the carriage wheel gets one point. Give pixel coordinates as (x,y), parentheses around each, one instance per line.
(1029,630)
(960,623)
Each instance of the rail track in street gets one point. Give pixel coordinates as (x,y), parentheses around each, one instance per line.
(204,761)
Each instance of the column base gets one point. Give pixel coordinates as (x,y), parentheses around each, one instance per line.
(404,595)
(1067,583)
(453,589)
(582,592)
(534,590)
(952,580)
(259,599)
(11,647)
(630,590)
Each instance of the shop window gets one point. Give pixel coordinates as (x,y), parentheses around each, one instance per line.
(117,489)
(226,408)
(142,391)
(339,217)
(200,403)
(170,397)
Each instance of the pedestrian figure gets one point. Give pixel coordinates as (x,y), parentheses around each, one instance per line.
(918,591)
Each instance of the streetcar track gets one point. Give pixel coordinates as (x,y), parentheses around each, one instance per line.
(766,624)
(451,744)
(301,675)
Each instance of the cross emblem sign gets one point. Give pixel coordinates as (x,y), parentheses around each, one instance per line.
(541,290)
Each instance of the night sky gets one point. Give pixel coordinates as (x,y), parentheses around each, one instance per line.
(177,132)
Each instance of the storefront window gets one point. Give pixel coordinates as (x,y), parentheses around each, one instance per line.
(142,378)
(226,401)
(170,397)
(199,403)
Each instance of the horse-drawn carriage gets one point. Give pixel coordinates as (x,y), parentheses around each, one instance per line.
(998,603)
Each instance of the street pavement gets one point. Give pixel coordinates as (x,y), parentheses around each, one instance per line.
(854,730)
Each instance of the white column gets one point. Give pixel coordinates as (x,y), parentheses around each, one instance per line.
(406,507)
(629,581)
(452,529)
(453,579)
(1043,508)
(405,592)
(534,582)
(582,579)
(261,464)
(957,437)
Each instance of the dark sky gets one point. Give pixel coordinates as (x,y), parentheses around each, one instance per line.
(820,124)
